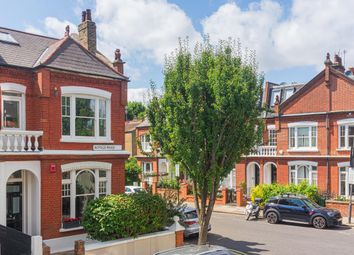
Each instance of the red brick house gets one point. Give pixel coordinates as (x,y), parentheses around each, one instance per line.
(62,130)
(153,165)
(307,135)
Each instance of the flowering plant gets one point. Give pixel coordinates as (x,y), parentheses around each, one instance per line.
(71,219)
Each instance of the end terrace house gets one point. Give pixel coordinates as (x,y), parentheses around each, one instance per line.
(308,133)
(62,129)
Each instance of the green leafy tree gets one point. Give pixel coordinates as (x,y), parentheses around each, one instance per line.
(208,116)
(132,171)
(135,110)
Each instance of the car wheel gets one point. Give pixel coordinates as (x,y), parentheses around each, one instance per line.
(319,222)
(272,217)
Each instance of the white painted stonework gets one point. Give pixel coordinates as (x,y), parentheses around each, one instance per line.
(31,193)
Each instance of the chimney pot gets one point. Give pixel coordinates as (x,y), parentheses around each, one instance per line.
(67,30)
(328,60)
(88,14)
(83,16)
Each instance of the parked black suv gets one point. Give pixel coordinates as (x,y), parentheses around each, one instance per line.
(298,208)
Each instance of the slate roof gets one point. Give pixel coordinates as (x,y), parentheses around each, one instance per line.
(33,51)
(26,52)
(295,87)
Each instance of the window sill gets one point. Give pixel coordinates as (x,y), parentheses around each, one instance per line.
(63,230)
(303,150)
(343,149)
(84,140)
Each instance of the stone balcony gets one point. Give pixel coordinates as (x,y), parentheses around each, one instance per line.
(20,141)
(264,150)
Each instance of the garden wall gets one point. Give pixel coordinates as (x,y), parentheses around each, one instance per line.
(341,206)
(143,245)
(183,194)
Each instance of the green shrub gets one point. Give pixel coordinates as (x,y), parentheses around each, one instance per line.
(266,191)
(168,184)
(119,216)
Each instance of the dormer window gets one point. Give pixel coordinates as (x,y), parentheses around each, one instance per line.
(288,93)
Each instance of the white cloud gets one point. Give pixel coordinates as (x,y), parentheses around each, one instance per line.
(252,26)
(148,28)
(302,38)
(138,95)
(53,27)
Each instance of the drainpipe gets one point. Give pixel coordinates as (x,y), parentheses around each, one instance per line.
(327,151)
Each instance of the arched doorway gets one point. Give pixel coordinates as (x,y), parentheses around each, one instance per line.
(270,172)
(22,202)
(253,178)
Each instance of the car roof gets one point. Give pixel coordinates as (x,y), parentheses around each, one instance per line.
(133,187)
(286,196)
(192,250)
(188,209)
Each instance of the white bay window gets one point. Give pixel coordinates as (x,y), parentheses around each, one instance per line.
(85,117)
(81,184)
(343,184)
(302,171)
(345,133)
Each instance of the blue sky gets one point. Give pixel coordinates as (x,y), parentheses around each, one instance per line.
(291,38)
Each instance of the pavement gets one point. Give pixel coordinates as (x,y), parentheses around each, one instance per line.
(239,210)
(259,237)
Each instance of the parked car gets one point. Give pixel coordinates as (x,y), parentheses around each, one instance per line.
(197,250)
(301,209)
(133,189)
(190,222)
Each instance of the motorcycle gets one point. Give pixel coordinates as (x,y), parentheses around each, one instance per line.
(253,209)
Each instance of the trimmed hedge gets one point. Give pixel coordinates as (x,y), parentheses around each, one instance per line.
(266,191)
(120,216)
(168,184)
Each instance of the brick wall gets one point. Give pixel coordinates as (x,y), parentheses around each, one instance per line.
(51,210)
(335,98)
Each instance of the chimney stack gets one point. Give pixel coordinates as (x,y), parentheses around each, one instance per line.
(87,32)
(118,63)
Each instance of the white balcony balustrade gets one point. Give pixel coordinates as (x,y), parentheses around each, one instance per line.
(264,151)
(20,141)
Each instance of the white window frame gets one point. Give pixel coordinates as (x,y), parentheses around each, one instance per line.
(345,165)
(305,124)
(14,88)
(145,146)
(346,123)
(297,164)
(95,168)
(272,138)
(74,92)
(286,91)
(144,163)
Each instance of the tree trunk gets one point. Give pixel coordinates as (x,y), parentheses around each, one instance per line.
(203,232)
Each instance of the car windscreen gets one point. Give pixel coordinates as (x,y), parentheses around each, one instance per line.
(310,204)
(138,189)
(191,215)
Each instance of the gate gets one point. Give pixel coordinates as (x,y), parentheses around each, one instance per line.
(13,242)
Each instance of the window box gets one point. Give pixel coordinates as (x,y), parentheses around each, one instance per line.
(71,223)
